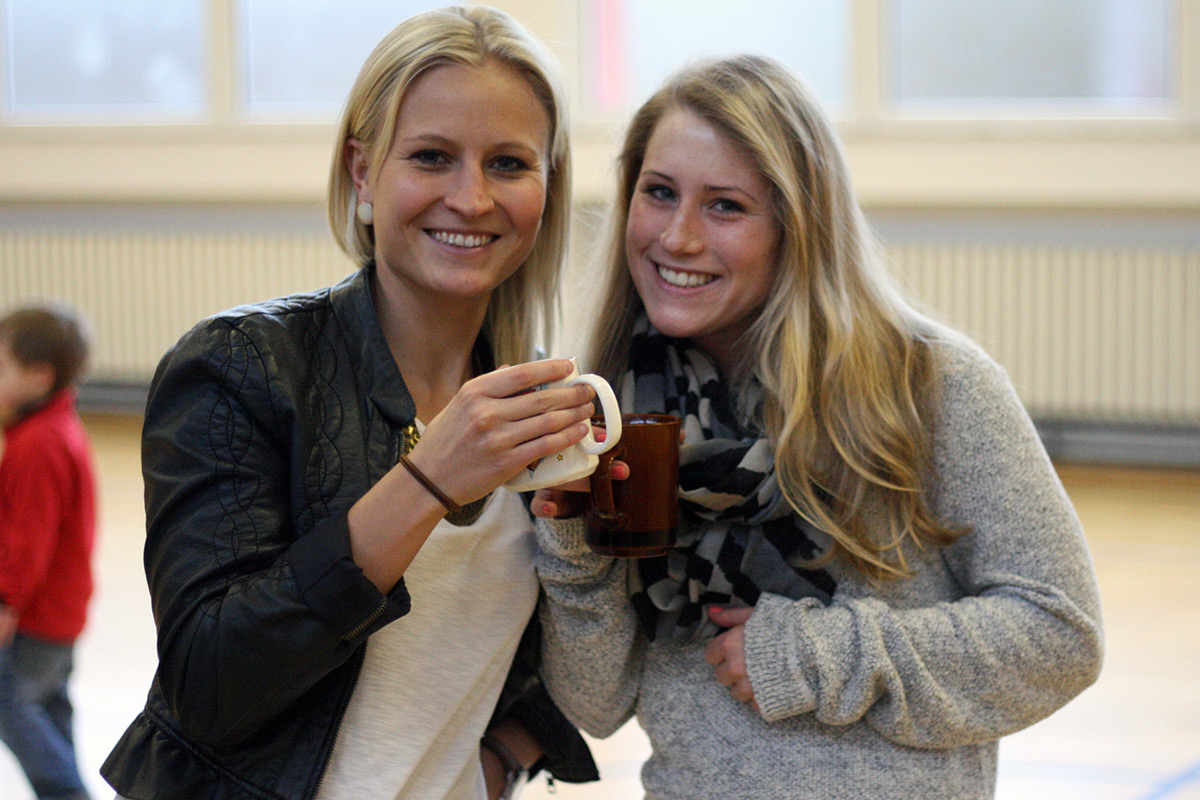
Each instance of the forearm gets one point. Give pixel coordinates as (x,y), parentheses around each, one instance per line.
(591,647)
(253,607)
(255,593)
(236,651)
(389,525)
(944,676)
(992,632)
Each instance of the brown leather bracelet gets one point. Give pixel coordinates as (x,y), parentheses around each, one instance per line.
(450,505)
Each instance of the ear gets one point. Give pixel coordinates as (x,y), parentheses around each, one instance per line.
(358,162)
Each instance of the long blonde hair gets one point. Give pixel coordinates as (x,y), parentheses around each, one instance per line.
(844,362)
(468,36)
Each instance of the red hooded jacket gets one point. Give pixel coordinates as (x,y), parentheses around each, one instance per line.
(47,521)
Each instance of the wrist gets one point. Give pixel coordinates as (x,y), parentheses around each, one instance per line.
(515,772)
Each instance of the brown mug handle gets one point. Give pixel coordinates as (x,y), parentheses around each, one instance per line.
(602,495)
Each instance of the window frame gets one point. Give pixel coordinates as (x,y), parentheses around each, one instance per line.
(898,160)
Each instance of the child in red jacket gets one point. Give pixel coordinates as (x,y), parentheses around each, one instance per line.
(47,526)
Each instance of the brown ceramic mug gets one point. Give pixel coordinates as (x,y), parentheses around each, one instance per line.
(636,517)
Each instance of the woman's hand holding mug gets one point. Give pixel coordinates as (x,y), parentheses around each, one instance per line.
(579,460)
(570,499)
(497,424)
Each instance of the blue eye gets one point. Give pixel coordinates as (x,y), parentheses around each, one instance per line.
(510,164)
(727,206)
(429,158)
(658,192)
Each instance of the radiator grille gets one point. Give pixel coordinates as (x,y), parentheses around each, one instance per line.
(1101,332)
(1085,332)
(141,292)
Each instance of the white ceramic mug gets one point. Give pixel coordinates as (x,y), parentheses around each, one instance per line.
(579,460)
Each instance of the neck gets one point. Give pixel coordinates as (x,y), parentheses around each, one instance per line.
(432,342)
(728,353)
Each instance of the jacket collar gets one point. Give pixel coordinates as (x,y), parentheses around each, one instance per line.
(354,307)
(376,370)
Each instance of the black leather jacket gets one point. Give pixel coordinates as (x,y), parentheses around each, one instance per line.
(264,425)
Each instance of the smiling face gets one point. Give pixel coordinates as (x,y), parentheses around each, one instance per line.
(458,201)
(701,238)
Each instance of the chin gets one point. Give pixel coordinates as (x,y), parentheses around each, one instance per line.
(671,325)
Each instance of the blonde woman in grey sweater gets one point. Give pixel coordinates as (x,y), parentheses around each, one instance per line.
(878,574)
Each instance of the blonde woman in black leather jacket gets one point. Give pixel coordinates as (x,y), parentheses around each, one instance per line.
(340,586)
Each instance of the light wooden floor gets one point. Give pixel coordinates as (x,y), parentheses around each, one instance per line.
(1135,735)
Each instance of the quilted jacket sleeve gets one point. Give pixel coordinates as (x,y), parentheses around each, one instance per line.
(251,612)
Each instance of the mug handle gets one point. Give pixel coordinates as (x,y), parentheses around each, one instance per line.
(612,415)
(601,497)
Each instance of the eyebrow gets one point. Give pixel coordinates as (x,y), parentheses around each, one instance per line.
(708,187)
(437,139)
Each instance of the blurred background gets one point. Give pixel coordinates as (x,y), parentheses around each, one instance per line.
(1031,166)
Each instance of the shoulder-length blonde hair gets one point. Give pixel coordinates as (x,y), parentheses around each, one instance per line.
(844,361)
(469,36)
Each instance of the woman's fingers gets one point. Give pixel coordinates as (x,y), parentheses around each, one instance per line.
(500,396)
(502,421)
(741,691)
(738,684)
(727,654)
(728,617)
(500,426)
(552,503)
(569,499)
(539,445)
(522,429)
(507,403)
(507,381)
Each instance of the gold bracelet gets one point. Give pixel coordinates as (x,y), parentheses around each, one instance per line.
(450,505)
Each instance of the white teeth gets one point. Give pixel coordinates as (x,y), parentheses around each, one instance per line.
(461,240)
(684,279)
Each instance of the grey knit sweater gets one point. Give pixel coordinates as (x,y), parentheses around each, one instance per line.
(897,690)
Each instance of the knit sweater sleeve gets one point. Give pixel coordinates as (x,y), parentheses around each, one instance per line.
(1018,636)
(591,647)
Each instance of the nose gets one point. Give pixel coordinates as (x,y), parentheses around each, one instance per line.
(681,236)
(470,193)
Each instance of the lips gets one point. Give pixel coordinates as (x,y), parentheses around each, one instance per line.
(684,280)
(464,240)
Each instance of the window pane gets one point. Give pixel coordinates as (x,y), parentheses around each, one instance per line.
(80,58)
(1109,53)
(300,57)
(633,45)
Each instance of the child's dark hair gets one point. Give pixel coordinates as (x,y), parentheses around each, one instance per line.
(51,334)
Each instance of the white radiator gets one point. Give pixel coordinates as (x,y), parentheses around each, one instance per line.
(1092,333)
(142,291)
(1103,333)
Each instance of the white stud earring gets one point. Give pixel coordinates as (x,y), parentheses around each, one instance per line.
(365,213)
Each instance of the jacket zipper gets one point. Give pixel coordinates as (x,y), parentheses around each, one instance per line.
(341,714)
(369,620)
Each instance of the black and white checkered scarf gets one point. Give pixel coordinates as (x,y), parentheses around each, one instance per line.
(737,536)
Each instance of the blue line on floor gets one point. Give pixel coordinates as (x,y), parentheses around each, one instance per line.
(1171,785)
